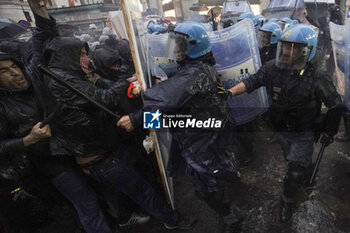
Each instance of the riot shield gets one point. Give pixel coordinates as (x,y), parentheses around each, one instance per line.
(283,8)
(236,6)
(338,34)
(237,56)
(138,45)
(158,52)
(347,64)
(117,24)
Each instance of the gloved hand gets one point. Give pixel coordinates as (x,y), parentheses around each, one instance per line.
(326,138)
(221,90)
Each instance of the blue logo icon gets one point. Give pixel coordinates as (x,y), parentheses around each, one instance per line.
(151,120)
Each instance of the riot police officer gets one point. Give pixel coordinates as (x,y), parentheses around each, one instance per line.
(208,154)
(267,38)
(296,87)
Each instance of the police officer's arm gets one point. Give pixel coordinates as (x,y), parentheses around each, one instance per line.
(166,97)
(240,88)
(253,82)
(326,91)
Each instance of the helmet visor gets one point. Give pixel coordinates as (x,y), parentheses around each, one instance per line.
(292,55)
(283,25)
(177,47)
(264,38)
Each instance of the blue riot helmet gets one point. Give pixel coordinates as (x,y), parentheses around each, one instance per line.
(189,40)
(293,22)
(248,15)
(269,34)
(296,47)
(272,20)
(260,19)
(285,22)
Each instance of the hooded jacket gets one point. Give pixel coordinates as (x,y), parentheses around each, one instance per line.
(123,48)
(19,112)
(81,129)
(104,58)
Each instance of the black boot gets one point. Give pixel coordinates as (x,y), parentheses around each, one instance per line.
(286,211)
(232,221)
(232,216)
(295,178)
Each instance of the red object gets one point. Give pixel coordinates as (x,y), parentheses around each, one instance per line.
(131,87)
(71,3)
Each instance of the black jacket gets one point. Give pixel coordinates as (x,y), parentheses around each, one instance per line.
(18,114)
(268,53)
(21,110)
(80,129)
(295,97)
(193,91)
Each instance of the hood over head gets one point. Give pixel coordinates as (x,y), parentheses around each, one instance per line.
(8,56)
(64,53)
(104,58)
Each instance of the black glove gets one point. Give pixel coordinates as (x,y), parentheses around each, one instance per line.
(326,139)
(333,118)
(222,91)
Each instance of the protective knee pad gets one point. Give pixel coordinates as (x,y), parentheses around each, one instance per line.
(294,179)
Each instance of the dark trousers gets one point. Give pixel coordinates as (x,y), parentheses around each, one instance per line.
(113,173)
(73,186)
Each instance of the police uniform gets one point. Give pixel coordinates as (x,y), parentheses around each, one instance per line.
(296,98)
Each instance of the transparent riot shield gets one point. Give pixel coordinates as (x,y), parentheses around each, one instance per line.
(338,34)
(158,52)
(237,57)
(283,8)
(118,24)
(138,44)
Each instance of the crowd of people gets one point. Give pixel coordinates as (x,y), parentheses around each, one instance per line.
(60,138)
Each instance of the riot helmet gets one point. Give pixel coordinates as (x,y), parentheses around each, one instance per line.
(260,20)
(188,40)
(296,47)
(272,20)
(269,34)
(249,15)
(285,22)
